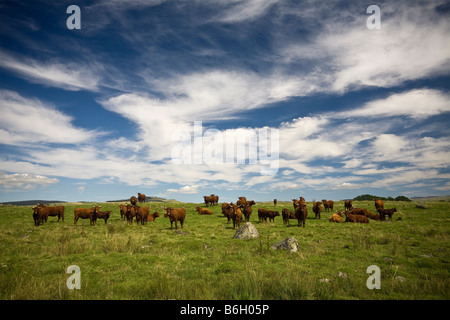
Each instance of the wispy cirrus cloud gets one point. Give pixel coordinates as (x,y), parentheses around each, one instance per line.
(60,74)
(29,121)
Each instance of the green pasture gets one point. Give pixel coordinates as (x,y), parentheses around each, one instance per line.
(203,261)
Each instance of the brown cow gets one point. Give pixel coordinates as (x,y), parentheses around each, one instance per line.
(123,211)
(133,200)
(236,215)
(214,199)
(379,204)
(131,213)
(287,214)
(102,215)
(153,216)
(141,197)
(52,211)
(40,216)
(275,202)
(263,214)
(208,200)
(355,218)
(336,217)
(348,204)
(203,211)
(241,201)
(86,213)
(247,211)
(301,213)
(328,205)
(317,208)
(359,211)
(227,211)
(175,215)
(142,214)
(384,212)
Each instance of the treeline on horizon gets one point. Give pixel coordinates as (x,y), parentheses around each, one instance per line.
(372,197)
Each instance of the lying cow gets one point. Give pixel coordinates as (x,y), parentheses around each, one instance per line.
(153,216)
(203,211)
(355,218)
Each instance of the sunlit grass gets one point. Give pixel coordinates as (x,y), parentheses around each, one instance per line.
(203,261)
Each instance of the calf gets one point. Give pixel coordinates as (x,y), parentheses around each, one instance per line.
(286,214)
(153,216)
(263,214)
(203,211)
(348,204)
(236,216)
(227,211)
(301,213)
(130,213)
(384,212)
(142,214)
(175,215)
(317,208)
(102,215)
(247,211)
(336,217)
(123,211)
(86,213)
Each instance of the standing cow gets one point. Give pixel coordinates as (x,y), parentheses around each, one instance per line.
(86,213)
(141,197)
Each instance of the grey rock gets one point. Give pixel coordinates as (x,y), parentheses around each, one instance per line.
(290,244)
(246,231)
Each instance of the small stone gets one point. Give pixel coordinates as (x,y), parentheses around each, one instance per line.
(290,244)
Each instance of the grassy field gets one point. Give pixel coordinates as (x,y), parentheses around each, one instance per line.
(120,261)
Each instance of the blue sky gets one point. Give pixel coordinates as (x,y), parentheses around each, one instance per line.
(94,113)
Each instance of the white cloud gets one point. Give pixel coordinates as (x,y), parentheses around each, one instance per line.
(25,181)
(81,189)
(411,44)
(69,76)
(25,121)
(417,103)
(244,10)
(185,190)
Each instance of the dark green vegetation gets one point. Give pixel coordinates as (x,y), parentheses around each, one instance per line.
(370,197)
(202,261)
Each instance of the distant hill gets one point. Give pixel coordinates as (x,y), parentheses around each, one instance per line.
(432,198)
(31,202)
(147,199)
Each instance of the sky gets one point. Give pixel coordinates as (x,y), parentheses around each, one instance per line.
(258,98)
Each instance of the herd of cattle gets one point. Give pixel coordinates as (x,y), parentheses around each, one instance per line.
(236,212)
